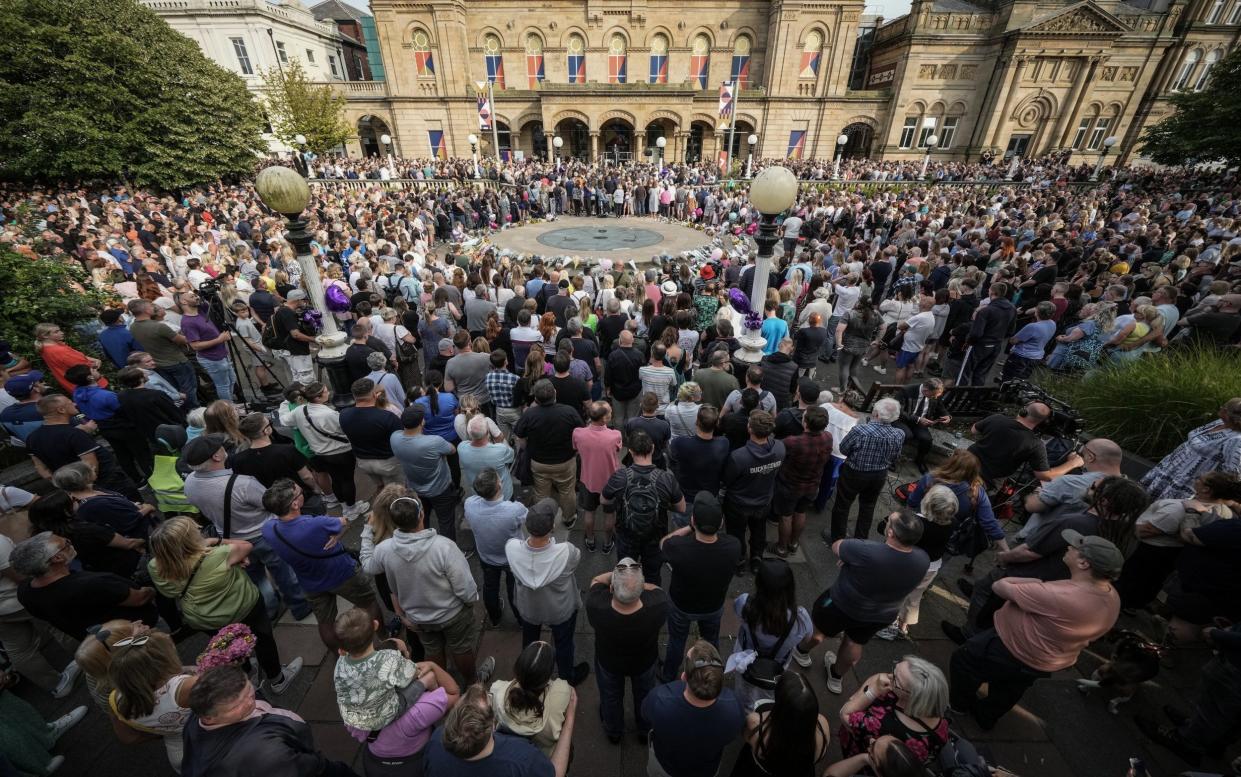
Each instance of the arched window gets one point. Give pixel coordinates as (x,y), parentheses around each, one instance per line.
(618,60)
(422,54)
(577,59)
(494,59)
(700,61)
(740,72)
(534,60)
(659,59)
(811,50)
(1187,70)
(1201,83)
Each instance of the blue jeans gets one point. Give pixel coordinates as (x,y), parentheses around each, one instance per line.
(264,560)
(828,482)
(562,639)
(182,376)
(221,373)
(829,345)
(612,698)
(678,633)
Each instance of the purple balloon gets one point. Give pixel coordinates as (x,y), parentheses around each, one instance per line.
(739,300)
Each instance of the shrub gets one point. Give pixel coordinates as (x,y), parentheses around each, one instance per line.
(1149,405)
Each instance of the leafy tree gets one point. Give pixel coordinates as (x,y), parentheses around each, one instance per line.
(299,106)
(105,89)
(1204,126)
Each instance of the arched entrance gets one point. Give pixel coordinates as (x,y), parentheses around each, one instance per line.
(486,147)
(617,141)
(533,138)
(576,138)
(660,128)
(860,137)
(740,148)
(698,131)
(370,130)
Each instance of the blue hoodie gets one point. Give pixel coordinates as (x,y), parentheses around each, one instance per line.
(97,404)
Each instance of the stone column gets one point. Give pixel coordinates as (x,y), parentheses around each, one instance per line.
(639,142)
(1073,108)
(1019,65)
(551,149)
(594,145)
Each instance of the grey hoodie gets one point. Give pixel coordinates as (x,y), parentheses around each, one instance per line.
(427,572)
(547,591)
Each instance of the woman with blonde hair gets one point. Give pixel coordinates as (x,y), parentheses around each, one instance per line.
(938,516)
(468,407)
(209,580)
(150,691)
(682,415)
(221,418)
(50,345)
(962,474)
(94,656)
(909,703)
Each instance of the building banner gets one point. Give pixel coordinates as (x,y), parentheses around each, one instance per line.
(484,111)
(726,103)
(797,144)
(439,147)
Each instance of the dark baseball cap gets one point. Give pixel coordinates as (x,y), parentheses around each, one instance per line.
(708,514)
(202,448)
(20,386)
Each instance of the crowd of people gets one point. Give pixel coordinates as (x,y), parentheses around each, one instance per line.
(203,473)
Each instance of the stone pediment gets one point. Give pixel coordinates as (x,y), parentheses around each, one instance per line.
(1082,18)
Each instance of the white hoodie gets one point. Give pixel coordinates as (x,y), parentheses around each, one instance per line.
(547,591)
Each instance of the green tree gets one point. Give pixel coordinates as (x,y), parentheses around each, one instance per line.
(105,89)
(299,106)
(1204,126)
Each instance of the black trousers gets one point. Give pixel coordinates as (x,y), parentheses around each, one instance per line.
(985,659)
(339,467)
(920,437)
(979,364)
(739,518)
(864,487)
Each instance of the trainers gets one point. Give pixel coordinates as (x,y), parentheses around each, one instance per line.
(290,670)
(580,673)
(356,511)
(834,684)
(802,659)
(62,724)
(890,633)
(608,544)
(68,679)
(486,668)
(590,545)
(54,764)
(881,370)
(330,501)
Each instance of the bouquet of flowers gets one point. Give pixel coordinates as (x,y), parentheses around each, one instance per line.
(311,322)
(233,644)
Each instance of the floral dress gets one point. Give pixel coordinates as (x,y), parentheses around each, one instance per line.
(1212,446)
(879,719)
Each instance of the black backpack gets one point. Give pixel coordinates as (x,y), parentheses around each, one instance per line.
(959,758)
(640,504)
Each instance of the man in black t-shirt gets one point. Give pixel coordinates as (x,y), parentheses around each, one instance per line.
(1004,443)
(291,339)
(626,614)
(359,349)
(370,431)
(547,430)
(637,534)
(57,443)
(74,601)
(702,562)
(570,391)
(268,462)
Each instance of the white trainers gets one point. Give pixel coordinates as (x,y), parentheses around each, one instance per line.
(802,659)
(54,764)
(68,679)
(330,501)
(834,684)
(290,670)
(359,508)
(881,370)
(890,633)
(62,724)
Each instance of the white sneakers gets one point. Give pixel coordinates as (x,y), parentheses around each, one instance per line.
(802,659)
(68,679)
(62,724)
(352,514)
(834,684)
(290,670)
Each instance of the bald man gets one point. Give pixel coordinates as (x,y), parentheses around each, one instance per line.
(1066,493)
(621,381)
(1005,443)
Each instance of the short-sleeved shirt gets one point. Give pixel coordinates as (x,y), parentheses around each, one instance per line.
(675,723)
(80,600)
(510,756)
(699,463)
(216,595)
(875,578)
(270,463)
(665,484)
(599,447)
(658,381)
(548,432)
(369,430)
(626,644)
(300,544)
(468,373)
(701,571)
(1004,444)
(1067,493)
(422,456)
(1048,541)
(1046,625)
(156,338)
(494,524)
(59,444)
(494,455)
(115,512)
(409,733)
(286,320)
(199,328)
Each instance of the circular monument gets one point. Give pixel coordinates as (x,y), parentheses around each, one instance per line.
(600,238)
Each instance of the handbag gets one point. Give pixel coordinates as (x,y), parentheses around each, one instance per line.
(764,671)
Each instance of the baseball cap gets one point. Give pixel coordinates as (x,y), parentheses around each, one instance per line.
(20,386)
(202,448)
(296,294)
(541,518)
(708,514)
(1102,555)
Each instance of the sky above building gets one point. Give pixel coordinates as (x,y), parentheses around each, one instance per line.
(890,9)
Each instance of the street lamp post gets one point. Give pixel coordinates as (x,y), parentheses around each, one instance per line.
(490,86)
(749,162)
(557,143)
(386,140)
(474,152)
(773,191)
(926,160)
(660,142)
(841,141)
(1107,146)
(299,156)
(287,193)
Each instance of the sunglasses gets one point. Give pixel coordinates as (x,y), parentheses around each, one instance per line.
(702,663)
(634,565)
(134,641)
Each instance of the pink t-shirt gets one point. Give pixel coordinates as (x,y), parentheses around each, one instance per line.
(654,294)
(1046,625)
(599,447)
(409,733)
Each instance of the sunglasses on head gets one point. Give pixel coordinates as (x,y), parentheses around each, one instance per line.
(634,565)
(132,641)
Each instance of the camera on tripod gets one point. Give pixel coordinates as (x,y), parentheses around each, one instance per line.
(1064,421)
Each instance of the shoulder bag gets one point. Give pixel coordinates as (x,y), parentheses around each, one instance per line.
(764,671)
(309,420)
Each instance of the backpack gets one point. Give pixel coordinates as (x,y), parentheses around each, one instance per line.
(271,339)
(641,504)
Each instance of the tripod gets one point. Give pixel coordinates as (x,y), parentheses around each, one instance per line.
(225,319)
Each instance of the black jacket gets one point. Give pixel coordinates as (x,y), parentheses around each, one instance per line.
(271,745)
(908,396)
(780,377)
(148,408)
(992,323)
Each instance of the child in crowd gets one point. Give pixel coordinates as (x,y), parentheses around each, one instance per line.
(373,687)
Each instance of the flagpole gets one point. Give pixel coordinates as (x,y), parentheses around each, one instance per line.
(732,130)
(495,127)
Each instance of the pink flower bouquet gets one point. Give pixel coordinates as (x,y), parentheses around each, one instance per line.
(233,644)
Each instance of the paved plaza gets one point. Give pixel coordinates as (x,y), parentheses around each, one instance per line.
(619,239)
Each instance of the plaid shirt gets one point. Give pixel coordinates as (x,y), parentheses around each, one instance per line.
(500,384)
(872,446)
(805,456)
